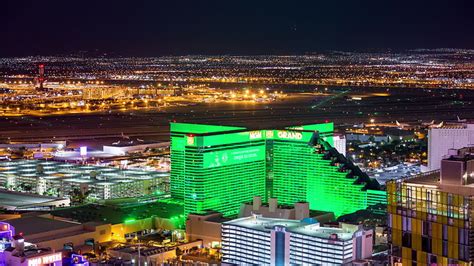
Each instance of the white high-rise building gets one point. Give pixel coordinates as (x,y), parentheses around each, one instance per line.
(441,140)
(256,240)
(340,143)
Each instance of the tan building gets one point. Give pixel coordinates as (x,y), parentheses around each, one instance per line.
(121,230)
(205,227)
(47,232)
(299,211)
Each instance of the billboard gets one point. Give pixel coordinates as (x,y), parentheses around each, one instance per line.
(233,156)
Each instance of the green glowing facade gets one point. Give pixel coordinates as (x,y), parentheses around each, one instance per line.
(220,167)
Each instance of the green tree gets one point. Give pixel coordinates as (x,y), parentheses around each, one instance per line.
(78,196)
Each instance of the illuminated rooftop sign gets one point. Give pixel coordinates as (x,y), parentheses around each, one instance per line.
(294,135)
(46,259)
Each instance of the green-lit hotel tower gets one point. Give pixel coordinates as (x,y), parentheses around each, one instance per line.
(220,167)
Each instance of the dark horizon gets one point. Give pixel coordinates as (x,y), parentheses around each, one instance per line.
(157,28)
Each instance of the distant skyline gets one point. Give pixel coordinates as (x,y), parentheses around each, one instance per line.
(154,27)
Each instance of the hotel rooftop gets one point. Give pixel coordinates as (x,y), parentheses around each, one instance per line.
(313,229)
(455,176)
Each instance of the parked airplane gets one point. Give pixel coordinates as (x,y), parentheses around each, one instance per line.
(461,120)
(125,136)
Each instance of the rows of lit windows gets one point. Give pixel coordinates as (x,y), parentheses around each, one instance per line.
(428,225)
(212,188)
(240,242)
(315,181)
(321,249)
(245,261)
(302,258)
(433,201)
(241,245)
(304,239)
(328,248)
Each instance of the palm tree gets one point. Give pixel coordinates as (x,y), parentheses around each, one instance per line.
(78,196)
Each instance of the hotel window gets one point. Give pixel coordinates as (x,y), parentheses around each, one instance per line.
(425,244)
(406,239)
(445,248)
(445,232)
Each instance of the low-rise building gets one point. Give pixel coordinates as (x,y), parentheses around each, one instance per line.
(151,255)
(121,148)
(45,231)
(14,250)
(205,227)
(32,257)
(129,220)
(269,241)
(13,200)
(61,179)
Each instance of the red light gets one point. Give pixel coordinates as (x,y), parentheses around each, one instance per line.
(326,121)
(41,65)
(21,233)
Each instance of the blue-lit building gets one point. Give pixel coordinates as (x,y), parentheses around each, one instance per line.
(6,236)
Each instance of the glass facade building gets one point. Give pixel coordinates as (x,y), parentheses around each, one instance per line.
(429,224)
(219,167)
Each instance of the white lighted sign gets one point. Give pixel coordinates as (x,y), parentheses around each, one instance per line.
(83,151)
(269,134)
(47,259)
(290,135)
(255,134)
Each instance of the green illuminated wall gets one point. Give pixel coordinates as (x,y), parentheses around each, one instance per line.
(218,168)
(177,166)
(216,171)
(181,136)
(301,173)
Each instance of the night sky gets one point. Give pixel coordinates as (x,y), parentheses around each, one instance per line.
(155,27)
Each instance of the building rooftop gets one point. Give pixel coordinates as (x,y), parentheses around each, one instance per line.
(315,230)
(52,170)
(118,214)
(456,125)
(35,252)
(144,250)
(205,129)
(36,224)
(427,178)
(201,128)
(432,180)
(9,199)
